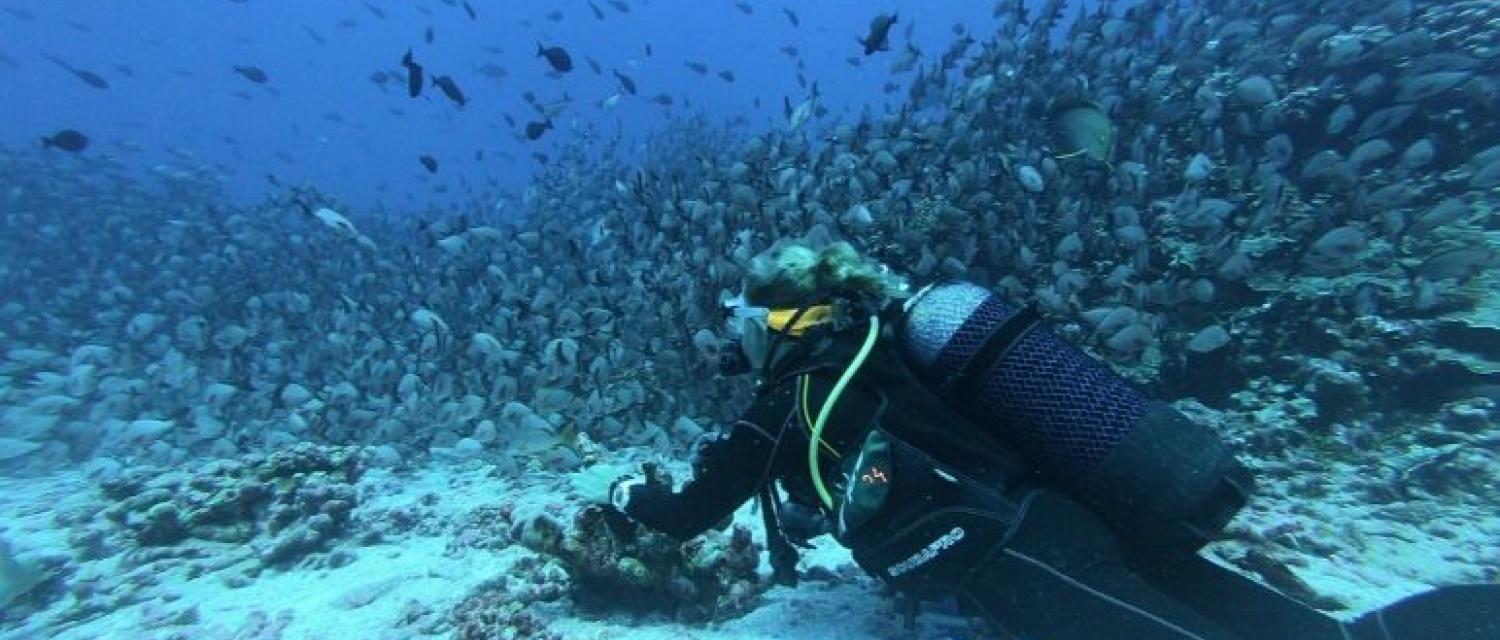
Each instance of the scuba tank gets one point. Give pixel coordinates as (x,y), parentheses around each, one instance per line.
(1148,471)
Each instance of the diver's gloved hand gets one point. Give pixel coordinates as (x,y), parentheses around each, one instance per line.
(618,523)
(637,486)
(651,483)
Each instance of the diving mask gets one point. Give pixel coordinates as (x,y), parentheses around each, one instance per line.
(759,332)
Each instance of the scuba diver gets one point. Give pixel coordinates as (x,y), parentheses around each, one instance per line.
(959,448)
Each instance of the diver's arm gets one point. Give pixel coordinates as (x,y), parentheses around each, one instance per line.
(726,474)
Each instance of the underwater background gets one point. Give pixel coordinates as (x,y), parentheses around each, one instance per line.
(321,320)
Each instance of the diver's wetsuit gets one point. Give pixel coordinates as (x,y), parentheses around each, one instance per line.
(966,517)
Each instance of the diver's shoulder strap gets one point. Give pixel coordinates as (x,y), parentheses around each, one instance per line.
(920,417)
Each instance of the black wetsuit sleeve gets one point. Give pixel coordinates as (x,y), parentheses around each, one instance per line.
(727,476)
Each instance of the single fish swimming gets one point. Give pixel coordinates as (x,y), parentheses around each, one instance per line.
(450,89)
(534,130)
(413,75)
(556,56)
(68,140)
(625,82)
(84,75)
(252,73)
(879,36)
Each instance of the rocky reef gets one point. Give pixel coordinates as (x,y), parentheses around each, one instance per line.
(620,565)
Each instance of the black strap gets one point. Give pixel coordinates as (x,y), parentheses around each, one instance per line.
(968,381)
(783,554)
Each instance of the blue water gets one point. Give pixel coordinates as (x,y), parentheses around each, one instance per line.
(180,101)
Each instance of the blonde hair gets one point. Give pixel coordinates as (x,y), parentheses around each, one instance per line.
(798,275)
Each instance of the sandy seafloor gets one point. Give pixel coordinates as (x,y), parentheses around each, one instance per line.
(368,598)
(1361,557)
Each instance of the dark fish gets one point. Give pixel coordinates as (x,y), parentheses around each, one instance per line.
(880,31)
(556,56)
(958,29)
(727,75)
(1015,11)
(555,16)
(535,130)
(469,9)
(955,52)
(598,13)
(253,74)
(792,16)
(697,67)
(428,35)
(648,49)
(619,6)
(539,157)
(790,50)
(413,75)
(315,36)
(594,65)
(429,162)
(625,82)
(88,77)
(744,7)
(1082,128)
(510,120)
(853,61)
(67,140)
(1443,213)
(450,89)
(376,11)
(1457,264)
(664,99)
(380,78)
(125,70)
(91,79)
